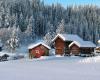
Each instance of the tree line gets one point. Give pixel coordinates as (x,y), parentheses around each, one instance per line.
(34,20)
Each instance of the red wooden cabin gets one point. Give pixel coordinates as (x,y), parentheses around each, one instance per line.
(38,50)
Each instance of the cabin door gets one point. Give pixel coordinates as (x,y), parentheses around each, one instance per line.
(59,51)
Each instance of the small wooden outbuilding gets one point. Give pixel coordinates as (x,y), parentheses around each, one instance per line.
(84,47)
(3,57)
(37,50)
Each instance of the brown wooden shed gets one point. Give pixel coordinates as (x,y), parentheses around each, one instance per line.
(84,47)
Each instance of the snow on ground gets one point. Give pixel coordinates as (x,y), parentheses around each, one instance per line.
(91,60)
(22,50)
(51,68)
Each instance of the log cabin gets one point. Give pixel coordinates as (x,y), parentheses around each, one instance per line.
(84,47)
(62,42)
(37,50)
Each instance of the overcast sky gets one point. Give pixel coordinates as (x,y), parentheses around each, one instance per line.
(73,2)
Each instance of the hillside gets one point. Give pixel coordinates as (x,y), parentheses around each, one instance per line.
(32,20)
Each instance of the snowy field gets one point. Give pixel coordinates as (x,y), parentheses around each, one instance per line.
(52,68)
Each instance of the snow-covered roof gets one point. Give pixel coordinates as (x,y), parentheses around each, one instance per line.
(3,53)
(39,43)
(68,37)
(83,44)
(99,41)
(98,47)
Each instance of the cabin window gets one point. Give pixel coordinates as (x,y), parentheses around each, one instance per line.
(37,51)
(42,47)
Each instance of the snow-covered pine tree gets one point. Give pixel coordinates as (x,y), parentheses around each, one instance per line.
(50,34)
(13,42)
(61,27)
(48,38)
(28,34)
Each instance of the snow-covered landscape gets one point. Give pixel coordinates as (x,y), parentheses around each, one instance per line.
(55,41)
(52,68)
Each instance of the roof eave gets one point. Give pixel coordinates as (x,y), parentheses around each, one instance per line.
(58,35)
(40,44)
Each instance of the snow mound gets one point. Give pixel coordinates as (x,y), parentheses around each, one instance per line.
(46,58)
(90,60)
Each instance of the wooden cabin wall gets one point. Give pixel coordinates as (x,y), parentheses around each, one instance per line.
(38,51)
(87,50)
(75,50)
(59,46)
